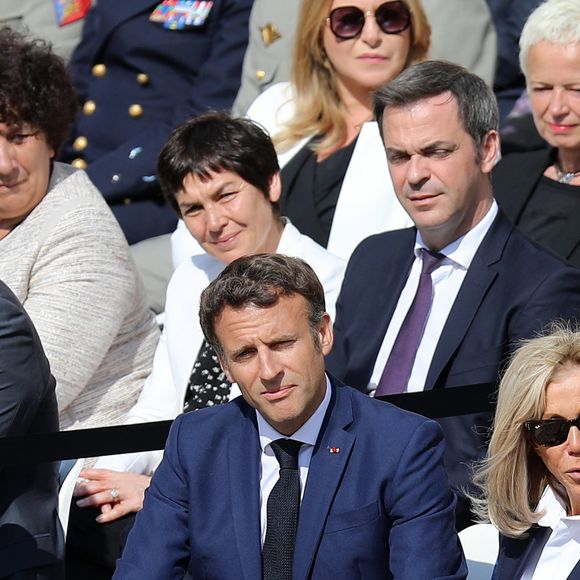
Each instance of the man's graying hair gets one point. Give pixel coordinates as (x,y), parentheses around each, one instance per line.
(260,280)
(476,102)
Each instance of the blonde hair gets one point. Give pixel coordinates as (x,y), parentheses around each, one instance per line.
(512,478)
(318,108)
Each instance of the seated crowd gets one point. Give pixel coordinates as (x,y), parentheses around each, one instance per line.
(357,230)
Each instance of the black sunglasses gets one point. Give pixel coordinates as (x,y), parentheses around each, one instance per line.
(347,22)
(550,432)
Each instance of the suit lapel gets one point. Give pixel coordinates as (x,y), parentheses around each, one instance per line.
(575,574)
(244,467)
(324,477)
(515,555)
(112,18)
(478,279)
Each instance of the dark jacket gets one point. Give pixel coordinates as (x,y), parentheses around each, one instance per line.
(137,81)
(515,180)
(30,532)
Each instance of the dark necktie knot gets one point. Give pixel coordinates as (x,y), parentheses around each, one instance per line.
(286,452)
(431,261)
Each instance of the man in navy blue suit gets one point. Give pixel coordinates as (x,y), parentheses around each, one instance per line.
(492,286)
(369,480)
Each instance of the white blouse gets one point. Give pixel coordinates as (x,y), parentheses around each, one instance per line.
(562,550)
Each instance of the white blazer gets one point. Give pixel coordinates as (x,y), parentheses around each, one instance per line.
(164,390)
(367,203)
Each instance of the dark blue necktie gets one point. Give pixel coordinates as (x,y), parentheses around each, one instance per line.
(282,513)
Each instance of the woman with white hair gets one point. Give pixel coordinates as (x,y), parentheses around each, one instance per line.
(539,190)
(531,477)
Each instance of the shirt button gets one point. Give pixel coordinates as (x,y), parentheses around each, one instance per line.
(135,111)
(99,70)
(80,143)
(89,107)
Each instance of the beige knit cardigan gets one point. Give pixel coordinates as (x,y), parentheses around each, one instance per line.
(69,264)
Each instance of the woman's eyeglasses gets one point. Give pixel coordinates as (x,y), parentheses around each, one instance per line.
(347,22)
(550,432)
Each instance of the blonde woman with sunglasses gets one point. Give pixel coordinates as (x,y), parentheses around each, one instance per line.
(336,186)
(531,478)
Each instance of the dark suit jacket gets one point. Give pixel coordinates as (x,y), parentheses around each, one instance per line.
(515,179)
(512,289)
(189,72)
(30,533)
(367,512)
(515,554)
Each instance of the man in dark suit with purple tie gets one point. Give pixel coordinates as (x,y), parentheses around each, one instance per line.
(401,327)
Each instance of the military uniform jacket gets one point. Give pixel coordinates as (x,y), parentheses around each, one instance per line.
(137,81)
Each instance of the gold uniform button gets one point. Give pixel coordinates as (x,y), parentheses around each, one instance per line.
(127,201)
(143,79)
(135,110)
(80,143)
(89,107)
(79,163)
(260,74)
(99,70)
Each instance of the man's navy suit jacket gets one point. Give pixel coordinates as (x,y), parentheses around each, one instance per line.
(512,290)
(369,509)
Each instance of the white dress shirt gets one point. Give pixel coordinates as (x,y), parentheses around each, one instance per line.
(447,280)
(562,550)
(307,435)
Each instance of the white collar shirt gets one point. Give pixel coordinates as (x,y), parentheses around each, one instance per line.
(447,281)
(562,550)
(307,435)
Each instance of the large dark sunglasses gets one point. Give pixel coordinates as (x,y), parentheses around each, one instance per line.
(347,22)
(550,432)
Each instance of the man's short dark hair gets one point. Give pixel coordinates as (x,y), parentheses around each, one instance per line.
(476,102)
(260,280)
(35,87)
(216,142)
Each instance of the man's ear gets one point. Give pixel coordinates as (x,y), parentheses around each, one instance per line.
(490,151)
(275,188)
(224,366)
(325,334)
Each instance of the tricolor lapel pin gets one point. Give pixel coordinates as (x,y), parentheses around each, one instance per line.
(334,450)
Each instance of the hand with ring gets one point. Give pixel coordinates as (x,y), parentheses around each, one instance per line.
(116,493)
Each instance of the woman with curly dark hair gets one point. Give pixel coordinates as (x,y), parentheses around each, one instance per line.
(61,250)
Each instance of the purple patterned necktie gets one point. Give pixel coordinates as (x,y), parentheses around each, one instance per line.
(398,369)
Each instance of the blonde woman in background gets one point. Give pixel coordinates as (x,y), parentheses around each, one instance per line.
(336,186)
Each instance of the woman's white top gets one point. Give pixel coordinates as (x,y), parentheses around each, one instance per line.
(562,550)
